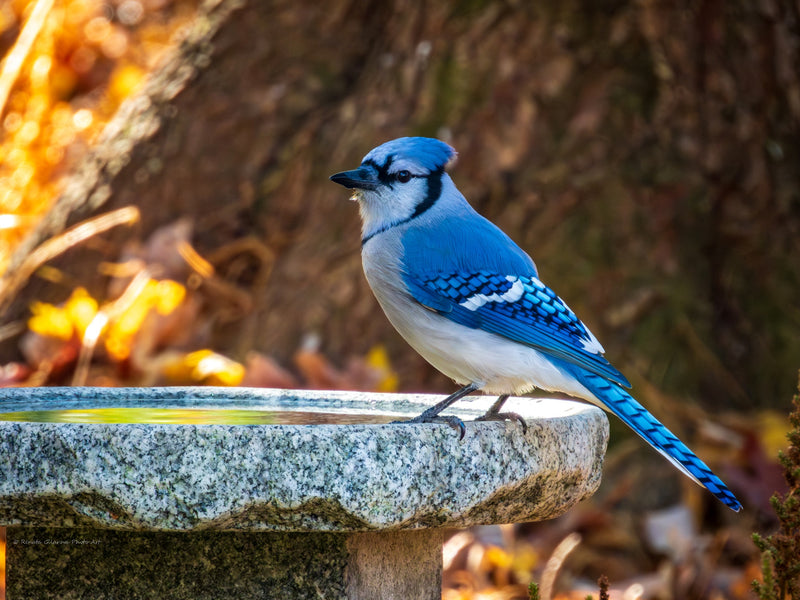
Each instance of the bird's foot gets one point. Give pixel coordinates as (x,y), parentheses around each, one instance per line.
(504,416)
(450,420)
(432,414)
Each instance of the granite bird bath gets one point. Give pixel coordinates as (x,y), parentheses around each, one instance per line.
(203,506)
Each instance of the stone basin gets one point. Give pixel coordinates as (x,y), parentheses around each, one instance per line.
(348,506)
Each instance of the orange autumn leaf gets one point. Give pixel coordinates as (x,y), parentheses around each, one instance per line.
(64,322)
(204,366)
(162,296)
(378,360)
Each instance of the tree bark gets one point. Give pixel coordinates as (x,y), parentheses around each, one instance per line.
(644,154)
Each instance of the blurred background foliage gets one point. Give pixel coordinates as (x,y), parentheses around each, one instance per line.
(646,153)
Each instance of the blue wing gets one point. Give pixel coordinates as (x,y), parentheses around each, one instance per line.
(520,308)
(523,309)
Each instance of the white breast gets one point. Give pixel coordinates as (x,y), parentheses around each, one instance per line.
(498,365)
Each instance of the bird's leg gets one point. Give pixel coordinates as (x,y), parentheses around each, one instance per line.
(494,414)
(434,411)
(494,409)
(431,415)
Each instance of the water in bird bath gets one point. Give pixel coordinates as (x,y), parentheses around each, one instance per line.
(237,406)
(203,406)
(192,416)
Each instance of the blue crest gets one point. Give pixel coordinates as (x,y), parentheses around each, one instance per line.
(427,153)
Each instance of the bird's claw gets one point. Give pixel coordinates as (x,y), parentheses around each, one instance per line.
(505,416)
(450,420)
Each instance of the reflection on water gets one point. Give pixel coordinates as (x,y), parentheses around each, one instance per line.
(194,416)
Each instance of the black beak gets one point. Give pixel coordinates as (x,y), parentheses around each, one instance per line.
(362,178)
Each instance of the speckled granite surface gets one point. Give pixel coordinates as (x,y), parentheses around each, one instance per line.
(271,511)
(300,478)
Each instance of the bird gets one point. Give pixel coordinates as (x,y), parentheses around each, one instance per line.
(469,300)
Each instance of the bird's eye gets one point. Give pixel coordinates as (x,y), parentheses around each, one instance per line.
(403,176)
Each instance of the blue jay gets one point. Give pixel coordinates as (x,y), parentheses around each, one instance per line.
(470,301)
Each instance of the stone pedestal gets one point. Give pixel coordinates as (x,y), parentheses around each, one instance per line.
(116,510)
(69,563)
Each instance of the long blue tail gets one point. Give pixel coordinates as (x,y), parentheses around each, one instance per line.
(622,404)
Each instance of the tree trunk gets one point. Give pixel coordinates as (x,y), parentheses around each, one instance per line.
(644,154)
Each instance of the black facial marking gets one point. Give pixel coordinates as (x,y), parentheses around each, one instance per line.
(433,193)
(389,179)
(431,196)
(383,170)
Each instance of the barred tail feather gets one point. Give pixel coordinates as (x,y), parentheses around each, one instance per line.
(622,404)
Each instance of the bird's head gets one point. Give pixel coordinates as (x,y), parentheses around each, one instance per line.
(397,180)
